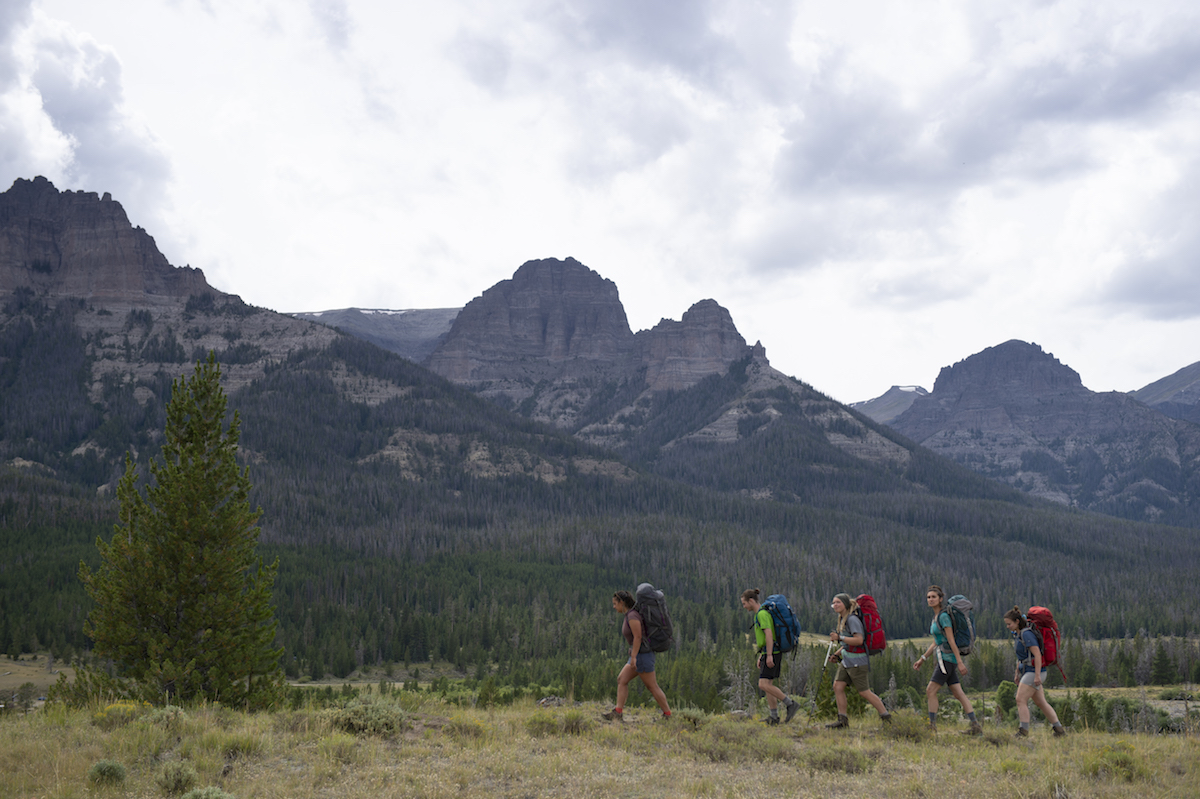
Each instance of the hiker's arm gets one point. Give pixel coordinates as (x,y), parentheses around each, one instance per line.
(852,640)
(924,657)
(770,634)
(1036,651)
(949,633)
(635,627)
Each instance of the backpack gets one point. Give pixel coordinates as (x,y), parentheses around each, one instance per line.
(874,641)
(1042,622)
(787,626)
(652,607)
(962,623)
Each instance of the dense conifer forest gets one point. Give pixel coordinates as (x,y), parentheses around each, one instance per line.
(426,557)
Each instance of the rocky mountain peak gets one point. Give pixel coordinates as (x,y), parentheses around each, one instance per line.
(79,244)
(680,354)
(1012,368)
(552,316)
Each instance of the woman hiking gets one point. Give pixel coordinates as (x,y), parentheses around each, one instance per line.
(853,667)
(769,658)
(641,659)
(949,661)
(1030,675)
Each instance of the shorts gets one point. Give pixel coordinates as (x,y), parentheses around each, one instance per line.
(645,663)
(858,676)
(1027,679)
(948,677)
(769,672)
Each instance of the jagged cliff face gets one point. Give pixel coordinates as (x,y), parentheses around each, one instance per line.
(77,244)
(552,319)
(555,337)
(1016,413)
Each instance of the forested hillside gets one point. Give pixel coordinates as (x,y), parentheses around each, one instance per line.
(414,520)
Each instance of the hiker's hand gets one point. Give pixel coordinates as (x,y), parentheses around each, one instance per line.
(770,661)
(833,636)
(1037,681)
(919,662)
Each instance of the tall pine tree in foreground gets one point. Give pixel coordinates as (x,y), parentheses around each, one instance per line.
(183,609)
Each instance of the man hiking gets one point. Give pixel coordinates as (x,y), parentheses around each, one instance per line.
(769,658)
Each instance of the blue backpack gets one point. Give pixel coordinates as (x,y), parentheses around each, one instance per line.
(962,622)
(787,626)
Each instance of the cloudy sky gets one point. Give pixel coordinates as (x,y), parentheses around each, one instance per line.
(874,189)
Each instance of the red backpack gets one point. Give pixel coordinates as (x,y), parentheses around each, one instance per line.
(1046,628)
(875,640)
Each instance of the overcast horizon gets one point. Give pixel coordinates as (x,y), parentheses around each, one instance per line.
(874,190)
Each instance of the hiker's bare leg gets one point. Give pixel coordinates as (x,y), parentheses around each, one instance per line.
(774,695)
(652,686)
(627,674)
(873,700)
(931,696)
(839,696)
(957,692)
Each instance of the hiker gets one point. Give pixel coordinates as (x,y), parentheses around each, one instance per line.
(769,658)
(949,661)
(1030,675)
(853,667)
(641,659)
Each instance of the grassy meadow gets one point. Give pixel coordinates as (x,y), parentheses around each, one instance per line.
(413,744)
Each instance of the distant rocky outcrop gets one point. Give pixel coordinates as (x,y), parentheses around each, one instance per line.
(1175,395)
(554,339)
(893,402)
(79,244)
(1017,414)
(413,334)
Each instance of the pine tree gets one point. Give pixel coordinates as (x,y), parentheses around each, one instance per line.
(182,609)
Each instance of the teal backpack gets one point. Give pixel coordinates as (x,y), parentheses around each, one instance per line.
(962,623)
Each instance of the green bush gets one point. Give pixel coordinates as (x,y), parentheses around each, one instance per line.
(367,716)
(839,759)
(106,773)
(1115,761)
(211,792)
(542,724)
(1006,695)
(176,777)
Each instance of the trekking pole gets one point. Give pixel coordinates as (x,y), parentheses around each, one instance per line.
(812,708)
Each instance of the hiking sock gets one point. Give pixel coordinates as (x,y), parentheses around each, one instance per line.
(1025,726)
(775,712)
(933,718)
(971,716)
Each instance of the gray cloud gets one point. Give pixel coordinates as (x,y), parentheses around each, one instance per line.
(1160,278)
(333,20)
(80,88)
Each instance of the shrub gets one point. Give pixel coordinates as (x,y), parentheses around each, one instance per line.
(462,726)
(906,726)
(340,748)
(118,714)
(541,724)
(1117,761)
(366,716)
(167,717)
(176,777)
(849,761)
(1006,695)
(575,723)
(106,773)
(211,792)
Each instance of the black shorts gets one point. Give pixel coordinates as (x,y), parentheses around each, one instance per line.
(769,672)
(947,677)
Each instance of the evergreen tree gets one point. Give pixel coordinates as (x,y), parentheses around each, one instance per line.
(182,608)
(1162,670)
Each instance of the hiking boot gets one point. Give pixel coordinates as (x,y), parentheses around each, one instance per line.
(974,729)
(1058,731)
(886,718)
(932,728)
(616,714)
(839,724)
(772,720)
(1021,733)
(792,709)
(665,716)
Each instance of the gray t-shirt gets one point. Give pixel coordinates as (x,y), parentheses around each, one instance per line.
(854,626)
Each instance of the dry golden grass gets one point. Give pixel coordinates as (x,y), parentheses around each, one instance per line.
(525,751)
